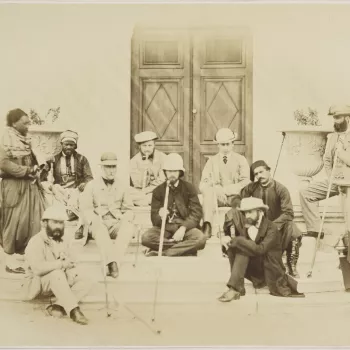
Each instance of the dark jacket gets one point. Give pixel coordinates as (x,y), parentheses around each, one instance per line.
(267,246)
(280,205)
(187,202)
(82,169)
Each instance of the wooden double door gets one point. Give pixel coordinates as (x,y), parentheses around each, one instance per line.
(187,84)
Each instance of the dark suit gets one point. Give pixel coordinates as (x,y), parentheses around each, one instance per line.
(260,261)
(189,214)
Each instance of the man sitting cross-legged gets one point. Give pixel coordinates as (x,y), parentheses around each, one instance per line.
(182,236)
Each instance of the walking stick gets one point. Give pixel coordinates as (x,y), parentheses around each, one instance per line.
(279,154)
(121,303)
(137,244)
(309,274)
(160,250)
(144,178)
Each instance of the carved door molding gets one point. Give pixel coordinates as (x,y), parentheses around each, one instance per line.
(187,84)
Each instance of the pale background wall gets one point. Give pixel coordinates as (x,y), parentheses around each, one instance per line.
(78,57)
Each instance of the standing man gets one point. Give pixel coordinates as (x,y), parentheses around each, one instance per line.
(254,249)
(280,212)
(21,194)
(182,236)
(52,269)
(71,173)
(107,208)
(146,169)
(317,190)
(223,177)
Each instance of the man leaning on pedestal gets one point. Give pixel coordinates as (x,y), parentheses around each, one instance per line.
(317,190)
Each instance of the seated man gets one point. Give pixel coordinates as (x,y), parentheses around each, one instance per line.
(181,236)
(146,169)
(254,249)
(71,173)
(52,270)
(224,175)
(277,198)
(107,209)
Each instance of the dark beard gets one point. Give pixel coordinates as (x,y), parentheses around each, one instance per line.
(341,127)
(251,222)
(55,234)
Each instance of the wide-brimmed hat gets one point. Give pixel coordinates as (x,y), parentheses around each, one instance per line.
(145,136)
(69,135)
(109,158)
(252,203)
(339,110)
(173,161)
(55,212)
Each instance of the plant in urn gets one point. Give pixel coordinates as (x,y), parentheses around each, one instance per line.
(45,136)
(305,145)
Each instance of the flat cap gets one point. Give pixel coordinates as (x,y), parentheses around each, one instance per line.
(109,158)
(145,136)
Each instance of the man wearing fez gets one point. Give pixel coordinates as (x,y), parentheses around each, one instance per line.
(52,269)
(146,169)
(317,190)
(71,173)
(223,177)
(184,213)
(277,198)
(106,208)
(254,249)
(22,196)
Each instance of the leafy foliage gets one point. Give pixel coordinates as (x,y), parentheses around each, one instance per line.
(52,114)
(309,118)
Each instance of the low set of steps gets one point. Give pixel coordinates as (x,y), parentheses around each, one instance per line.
(200,279)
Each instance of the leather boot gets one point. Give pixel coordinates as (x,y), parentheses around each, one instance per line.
(207,231)
(77,316)
(113,270)
(293,256)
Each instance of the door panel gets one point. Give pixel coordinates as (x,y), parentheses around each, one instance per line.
(221,92)
(160,89)
(188,84)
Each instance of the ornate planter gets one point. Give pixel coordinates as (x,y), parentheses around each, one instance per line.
(45,141)
(305,147)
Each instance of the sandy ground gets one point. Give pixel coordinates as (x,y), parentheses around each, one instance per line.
(323,320)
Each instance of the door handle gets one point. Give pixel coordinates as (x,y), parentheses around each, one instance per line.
(194,112)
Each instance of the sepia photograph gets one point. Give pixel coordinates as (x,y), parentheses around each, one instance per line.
(174,174)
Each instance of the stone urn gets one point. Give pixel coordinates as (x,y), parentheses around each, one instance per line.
(45,141)
(305,146)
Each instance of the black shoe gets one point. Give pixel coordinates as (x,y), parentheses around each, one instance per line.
(113,270)
(17,270)
(314,234)
(56,310)
(207,231)
(77,316)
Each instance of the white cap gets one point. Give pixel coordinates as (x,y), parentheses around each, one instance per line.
(225,135)
(55,212)
(145,136)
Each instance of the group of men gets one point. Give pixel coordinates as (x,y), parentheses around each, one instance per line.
(258,227)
